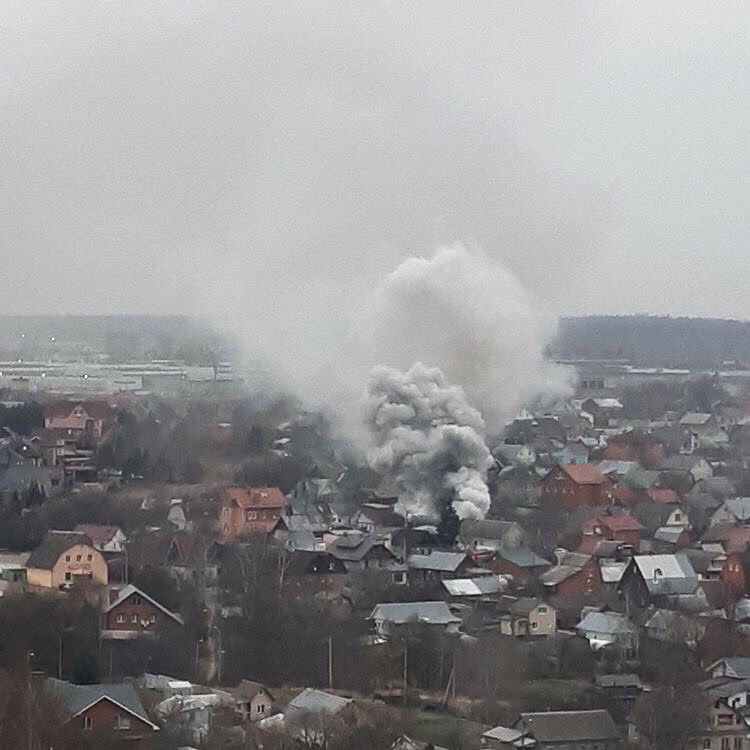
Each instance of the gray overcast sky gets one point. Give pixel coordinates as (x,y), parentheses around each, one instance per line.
(184,156)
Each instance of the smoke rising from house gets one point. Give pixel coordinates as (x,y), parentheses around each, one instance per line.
(429,439)
(481,337)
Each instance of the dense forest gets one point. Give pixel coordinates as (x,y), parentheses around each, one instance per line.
(665,341)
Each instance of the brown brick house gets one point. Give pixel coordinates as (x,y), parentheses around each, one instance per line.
(76,417)
(102,715)
(250,510)
(132,611)
(570,486)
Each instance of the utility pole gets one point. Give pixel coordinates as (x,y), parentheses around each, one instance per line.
(406,667)
(330,661)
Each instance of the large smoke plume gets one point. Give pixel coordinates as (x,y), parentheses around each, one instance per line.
(429,439)
(482,335)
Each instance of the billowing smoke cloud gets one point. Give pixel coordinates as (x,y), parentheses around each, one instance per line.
(485,335)
(429,439)
(470,316)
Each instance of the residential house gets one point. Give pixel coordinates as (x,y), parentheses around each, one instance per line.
(659,580)
(574,575)
(521,564)
(698,422)
(252,700)
(688,468)
(624,529)
(436,565)
(732,511)
(735,667)
(360,551)
(670,539)
(64,557)
(485,588)
(307,714)
(249,510)
(605,411)
(609,630)
(107,539)
(620,690)
(635,445)
(527,616)
(566,730)
(309,574)
(76,417)
(653,516)
(671,626)
(511,454)
(387,618)
(572,486)
(131,612)
(734,538)
(177,516)
(404,742)
(187,557)
(728,723)
(102,715)
(573,453)
(491,535)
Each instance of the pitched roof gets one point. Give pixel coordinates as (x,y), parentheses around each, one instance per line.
(431,613)
(657,495)
(75,699)
(734,666)
(621,523)
(739,507)
(62,409)
(583,473)
(695,419)
(570,564)
(97,534)
(523,557)
(610,623)
(316,702)
(444,562)
(667,574)
(570,726)
(247,690)
(54,544)
(481,586)
(256,497)
(127,591)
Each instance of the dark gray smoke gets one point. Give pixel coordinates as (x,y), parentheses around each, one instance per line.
(429,439)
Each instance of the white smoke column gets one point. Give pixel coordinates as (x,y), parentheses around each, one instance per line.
(429,439)
(472,317)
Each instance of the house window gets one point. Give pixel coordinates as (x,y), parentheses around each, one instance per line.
(261,708)
(67,558)
(534,625)
(134,618)
(120,618)
(542,610)
(68,576)
(137,599)
(78,558)
(89,557)
(725,743)
(252,515)
(122,722)
(88,723)
(738,743)
(707,743)
(153,618)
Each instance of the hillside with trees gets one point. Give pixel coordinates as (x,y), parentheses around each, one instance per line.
(655,340)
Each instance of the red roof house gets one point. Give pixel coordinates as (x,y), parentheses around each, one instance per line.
(250,510)
(571,486)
